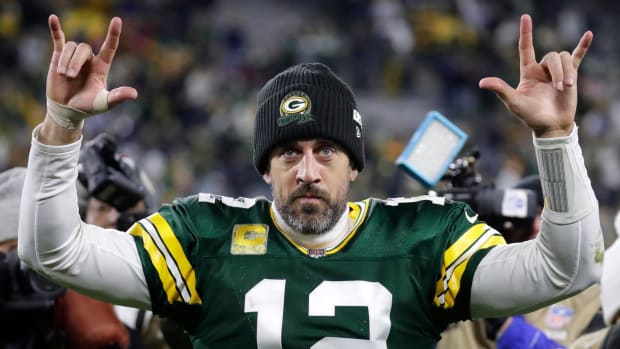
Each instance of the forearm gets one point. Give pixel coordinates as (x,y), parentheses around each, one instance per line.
(50,180)
(54,241)
(566,256)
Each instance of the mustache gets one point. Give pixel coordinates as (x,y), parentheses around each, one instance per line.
(309,190)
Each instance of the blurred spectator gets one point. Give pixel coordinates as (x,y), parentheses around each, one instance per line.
(35,313)
(26,315)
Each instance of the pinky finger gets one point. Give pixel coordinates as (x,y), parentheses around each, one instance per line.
(582,48)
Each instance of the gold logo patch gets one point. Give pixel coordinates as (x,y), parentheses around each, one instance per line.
(295,107)
(249,239)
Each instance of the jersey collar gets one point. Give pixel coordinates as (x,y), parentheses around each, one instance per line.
(329,242)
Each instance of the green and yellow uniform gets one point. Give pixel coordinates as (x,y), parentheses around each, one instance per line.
(222,268)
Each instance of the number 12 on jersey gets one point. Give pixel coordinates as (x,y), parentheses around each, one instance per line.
(266,299)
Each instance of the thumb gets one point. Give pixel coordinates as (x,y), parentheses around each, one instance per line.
(500,87)
(121,94)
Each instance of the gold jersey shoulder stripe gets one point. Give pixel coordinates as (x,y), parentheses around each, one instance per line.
(174,269)
(455,260)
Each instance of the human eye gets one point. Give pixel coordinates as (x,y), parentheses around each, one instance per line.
(288,152)
(327,151)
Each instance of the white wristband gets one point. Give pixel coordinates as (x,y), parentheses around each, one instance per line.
(71,118)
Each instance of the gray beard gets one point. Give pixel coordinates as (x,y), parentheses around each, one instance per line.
(316,225)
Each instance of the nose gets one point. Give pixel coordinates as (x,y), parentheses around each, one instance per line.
(308,168)
(110,218)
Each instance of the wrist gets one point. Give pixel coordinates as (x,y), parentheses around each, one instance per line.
(65,116)
(51,133)
(554,133)
(71,118)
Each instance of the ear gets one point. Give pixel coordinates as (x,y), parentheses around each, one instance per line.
(267,177)
(353,174)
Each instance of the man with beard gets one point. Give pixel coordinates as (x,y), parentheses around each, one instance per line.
(311,269)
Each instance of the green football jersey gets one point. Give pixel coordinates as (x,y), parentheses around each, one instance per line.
(221,268)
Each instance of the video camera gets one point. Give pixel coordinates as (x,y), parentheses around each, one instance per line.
(113,178)
(428,158)
(500,208)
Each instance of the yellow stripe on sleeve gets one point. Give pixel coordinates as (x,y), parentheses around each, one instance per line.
(454,285)
(494,240)
(456,258)
(174,246)
(463,243)
(159,262)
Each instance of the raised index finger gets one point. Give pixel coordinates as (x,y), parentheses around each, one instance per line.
(108,49)
(526,43)
(582,48)
(58,37)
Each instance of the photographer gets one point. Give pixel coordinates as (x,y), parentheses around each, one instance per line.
(34,312)
(114,193)
(555,326)
(516,213)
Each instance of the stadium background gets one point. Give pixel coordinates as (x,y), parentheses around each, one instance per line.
(198,67)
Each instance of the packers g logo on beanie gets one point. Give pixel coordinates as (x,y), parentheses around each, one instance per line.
(295,107)
(307,101)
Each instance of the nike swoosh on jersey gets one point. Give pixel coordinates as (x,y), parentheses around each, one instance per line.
(470,219)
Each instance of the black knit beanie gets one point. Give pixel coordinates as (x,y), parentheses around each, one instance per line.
(307,101)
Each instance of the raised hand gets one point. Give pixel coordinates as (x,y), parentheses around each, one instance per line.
(77,75)
(546,98)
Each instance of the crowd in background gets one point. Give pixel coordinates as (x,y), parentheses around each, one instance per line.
(198,67)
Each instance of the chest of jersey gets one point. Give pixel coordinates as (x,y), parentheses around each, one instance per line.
(284,299)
